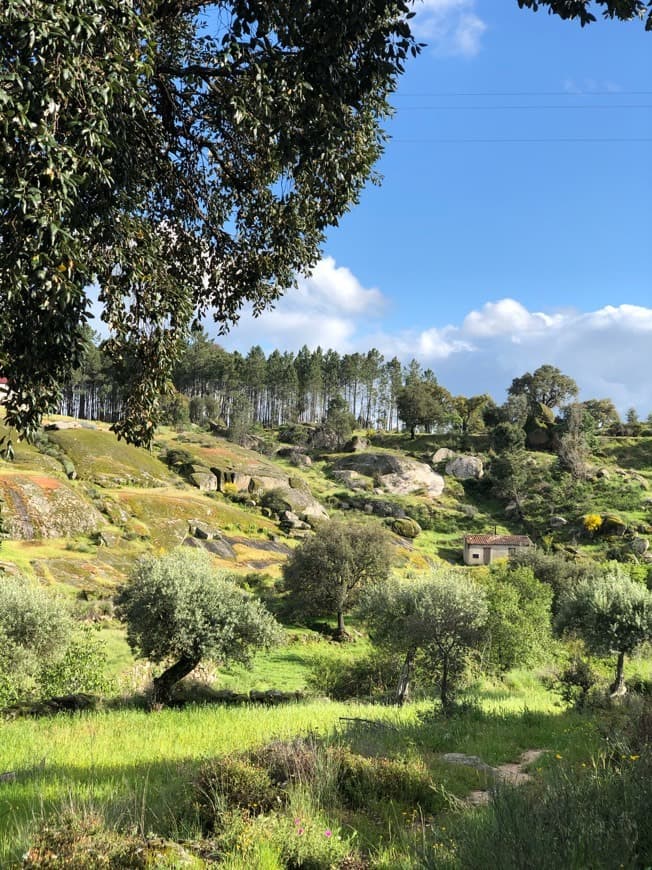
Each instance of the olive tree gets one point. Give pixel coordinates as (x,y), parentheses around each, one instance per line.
(327,572)
(34,629)
(180,611)
(612,613)
(442,616)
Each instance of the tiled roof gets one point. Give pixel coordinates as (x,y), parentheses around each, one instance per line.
(498,540)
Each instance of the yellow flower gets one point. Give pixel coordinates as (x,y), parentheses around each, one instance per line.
(634,757)
(557,756)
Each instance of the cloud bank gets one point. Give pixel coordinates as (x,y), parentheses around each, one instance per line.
(608,351)
(451,27)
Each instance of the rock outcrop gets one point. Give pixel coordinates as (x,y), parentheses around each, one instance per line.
(465,468)
(396,474)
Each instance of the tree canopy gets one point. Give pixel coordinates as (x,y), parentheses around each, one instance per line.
(613,614)
(329,570)
(179,609)
(183,156)
(624,10)
(546,386)
(443,616)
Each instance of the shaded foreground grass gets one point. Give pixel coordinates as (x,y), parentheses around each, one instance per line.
(137,768)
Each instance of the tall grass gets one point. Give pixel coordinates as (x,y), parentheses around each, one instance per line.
(137,768)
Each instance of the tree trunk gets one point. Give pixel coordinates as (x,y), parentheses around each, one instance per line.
(403,688)
(164,684)
(443,693)
(618,687)
(341,633)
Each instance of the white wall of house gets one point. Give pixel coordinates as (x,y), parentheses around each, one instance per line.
(476,554)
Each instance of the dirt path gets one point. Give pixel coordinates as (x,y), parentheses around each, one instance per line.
(512,772)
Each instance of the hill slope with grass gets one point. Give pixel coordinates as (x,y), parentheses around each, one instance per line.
(78,506)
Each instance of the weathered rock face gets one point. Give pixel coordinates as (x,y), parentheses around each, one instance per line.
(442,455)
(356,444)
(465,468)
(203,480)
(351,479)
(302,503)
(44,507)
(557,522)
(398,475)
(640,546)
(613,525)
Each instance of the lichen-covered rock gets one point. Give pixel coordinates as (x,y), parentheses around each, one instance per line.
(38,506)
(406,528)
(397,474)
(613,525)
(465,467)
(640,546)
(442,455)
(203,480)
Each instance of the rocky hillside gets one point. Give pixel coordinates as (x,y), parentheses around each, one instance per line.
(78,506)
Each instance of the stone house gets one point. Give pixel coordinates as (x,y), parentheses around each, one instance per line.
(485,549)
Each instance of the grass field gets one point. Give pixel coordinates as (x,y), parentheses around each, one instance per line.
(136,768)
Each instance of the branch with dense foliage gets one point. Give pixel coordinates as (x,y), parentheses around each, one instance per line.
(184,156)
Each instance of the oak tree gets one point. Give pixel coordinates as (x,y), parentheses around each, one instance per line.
(181,156)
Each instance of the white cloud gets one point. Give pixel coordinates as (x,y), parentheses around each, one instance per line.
(505,317)
(608,351)
(323,309)
(452,27)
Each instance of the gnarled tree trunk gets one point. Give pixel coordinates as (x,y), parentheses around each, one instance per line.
(618,686)
(403,688)
(164,683)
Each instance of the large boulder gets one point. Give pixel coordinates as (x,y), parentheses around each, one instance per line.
(396,474)
(640,546)
(203,480)
(406,528)
(465,467)
(356,444)
(443,455)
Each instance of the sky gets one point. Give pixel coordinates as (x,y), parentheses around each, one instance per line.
(512,227)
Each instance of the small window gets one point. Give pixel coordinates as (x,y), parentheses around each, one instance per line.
(511,551)
(475,555)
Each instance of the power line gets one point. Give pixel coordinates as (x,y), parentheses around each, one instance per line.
(516,141)
(526,94)
(530,106)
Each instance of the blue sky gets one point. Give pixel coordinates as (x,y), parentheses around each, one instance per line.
(495,244)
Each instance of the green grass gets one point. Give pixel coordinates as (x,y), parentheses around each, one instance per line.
(129,763)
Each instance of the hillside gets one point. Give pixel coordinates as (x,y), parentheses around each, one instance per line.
(79,506)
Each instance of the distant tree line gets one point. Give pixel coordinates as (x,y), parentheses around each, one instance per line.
(211,384)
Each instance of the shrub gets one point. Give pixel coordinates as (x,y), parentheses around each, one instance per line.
(361,780)
(80,669)
(597,817)
(592,523)
(275,501)
(85,843)
(226,784)
(576,682)
(374,676)
(230,490)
